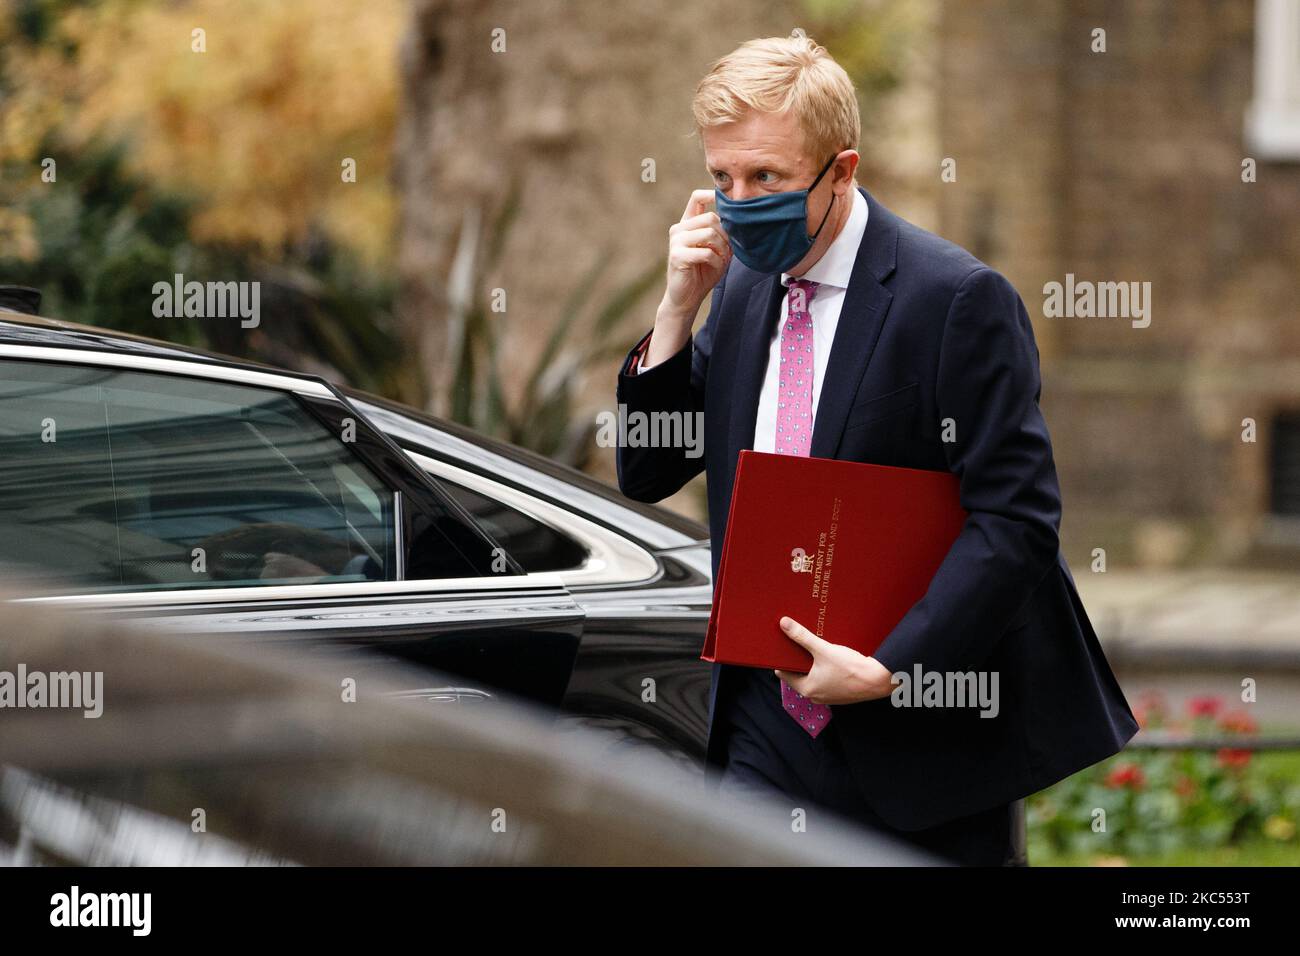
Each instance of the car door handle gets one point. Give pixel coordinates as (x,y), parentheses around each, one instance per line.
(444,694)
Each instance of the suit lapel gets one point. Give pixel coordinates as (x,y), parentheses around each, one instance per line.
(866,302)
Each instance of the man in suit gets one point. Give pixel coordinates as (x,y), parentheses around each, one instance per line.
(838,330)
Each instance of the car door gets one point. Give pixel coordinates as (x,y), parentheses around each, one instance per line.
(214,497)
(641,574)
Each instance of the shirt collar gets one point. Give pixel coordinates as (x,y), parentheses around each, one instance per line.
(835,267)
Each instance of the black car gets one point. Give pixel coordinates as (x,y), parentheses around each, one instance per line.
(194,492)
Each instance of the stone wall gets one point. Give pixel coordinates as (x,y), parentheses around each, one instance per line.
(1126,166)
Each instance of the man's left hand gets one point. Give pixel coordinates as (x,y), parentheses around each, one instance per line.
(839,675)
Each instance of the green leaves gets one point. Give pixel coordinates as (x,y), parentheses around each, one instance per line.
(538,406)
(1165,804)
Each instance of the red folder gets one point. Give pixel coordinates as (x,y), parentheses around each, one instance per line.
(843,547)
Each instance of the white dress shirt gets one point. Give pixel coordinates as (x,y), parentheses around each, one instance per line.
(831,273)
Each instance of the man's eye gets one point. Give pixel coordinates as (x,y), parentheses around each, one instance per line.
(720,178)
(767,177)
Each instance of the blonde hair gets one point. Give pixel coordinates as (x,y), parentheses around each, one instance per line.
(776,74)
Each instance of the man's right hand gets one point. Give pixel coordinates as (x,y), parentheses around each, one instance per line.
(698,255)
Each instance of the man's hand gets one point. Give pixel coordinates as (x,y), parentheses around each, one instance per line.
(839,675)
(698,255)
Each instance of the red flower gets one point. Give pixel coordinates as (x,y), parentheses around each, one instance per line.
(1204,706)
(1238,722)
(1126,775)
(1234,759)
(1152,701)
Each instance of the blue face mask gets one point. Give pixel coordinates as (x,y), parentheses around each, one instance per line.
(769,234)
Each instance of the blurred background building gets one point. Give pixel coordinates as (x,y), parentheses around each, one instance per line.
(1127,165)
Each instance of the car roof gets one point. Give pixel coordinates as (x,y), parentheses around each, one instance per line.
(20,328)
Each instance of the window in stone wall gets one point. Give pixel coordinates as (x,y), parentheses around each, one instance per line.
(1273,118)
(1284,473)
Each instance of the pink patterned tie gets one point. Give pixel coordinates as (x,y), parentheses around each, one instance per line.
(794,424)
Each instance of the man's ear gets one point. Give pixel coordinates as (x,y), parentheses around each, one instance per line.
(852,157)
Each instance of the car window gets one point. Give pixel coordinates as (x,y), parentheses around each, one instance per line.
(536,546)
(123,480)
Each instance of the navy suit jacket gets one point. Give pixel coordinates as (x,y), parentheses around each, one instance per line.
(928,336)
